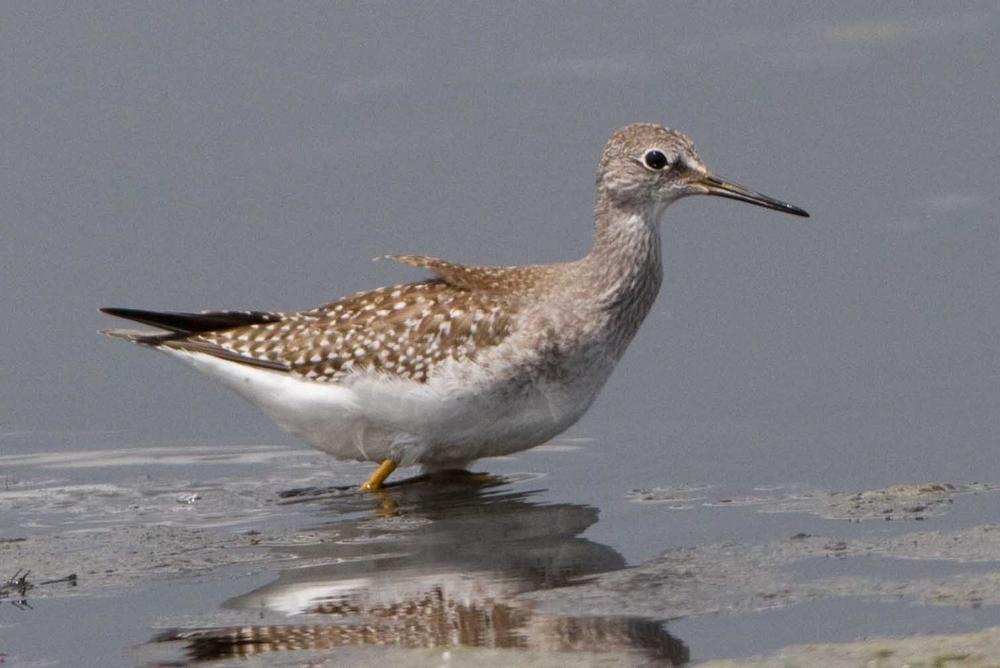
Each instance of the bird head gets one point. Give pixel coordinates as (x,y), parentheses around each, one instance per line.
(647,166)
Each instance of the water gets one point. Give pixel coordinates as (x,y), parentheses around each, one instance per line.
(197,554)
(191,158)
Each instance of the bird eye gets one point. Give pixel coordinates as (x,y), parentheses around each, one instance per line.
(655,159)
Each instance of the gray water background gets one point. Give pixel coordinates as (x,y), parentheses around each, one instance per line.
(195,156)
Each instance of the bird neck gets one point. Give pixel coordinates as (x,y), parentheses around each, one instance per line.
(624,268)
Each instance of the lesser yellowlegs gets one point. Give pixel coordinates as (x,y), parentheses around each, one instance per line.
(474,362)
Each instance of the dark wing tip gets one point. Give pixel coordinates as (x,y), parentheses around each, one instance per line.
(192,323)
(118,312)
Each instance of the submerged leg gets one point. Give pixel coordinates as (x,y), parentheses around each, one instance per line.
(383,471)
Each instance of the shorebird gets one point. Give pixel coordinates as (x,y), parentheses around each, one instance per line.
(477,361)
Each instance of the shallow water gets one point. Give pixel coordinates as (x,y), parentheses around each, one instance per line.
(195,554)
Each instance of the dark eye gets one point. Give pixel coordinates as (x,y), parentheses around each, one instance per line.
(655,159)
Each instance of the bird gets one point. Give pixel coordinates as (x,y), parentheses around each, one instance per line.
(471,361)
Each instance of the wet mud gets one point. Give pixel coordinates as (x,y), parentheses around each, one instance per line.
(488,570)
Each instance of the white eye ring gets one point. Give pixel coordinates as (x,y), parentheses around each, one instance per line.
(655,159)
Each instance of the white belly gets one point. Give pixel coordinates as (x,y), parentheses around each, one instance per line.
(449,421)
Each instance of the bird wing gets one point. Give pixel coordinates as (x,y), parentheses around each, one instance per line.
(511,279)
(402,331)
(180,322)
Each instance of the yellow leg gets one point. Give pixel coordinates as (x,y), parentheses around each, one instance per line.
(383,471)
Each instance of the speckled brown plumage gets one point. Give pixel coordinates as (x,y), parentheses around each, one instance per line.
(402,330)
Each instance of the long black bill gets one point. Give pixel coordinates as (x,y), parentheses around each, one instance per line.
(722,188)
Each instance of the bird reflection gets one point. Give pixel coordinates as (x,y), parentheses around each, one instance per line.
(436,565)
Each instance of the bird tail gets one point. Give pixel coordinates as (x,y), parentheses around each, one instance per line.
(178,325)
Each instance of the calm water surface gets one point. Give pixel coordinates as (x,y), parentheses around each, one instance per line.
(199,157)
